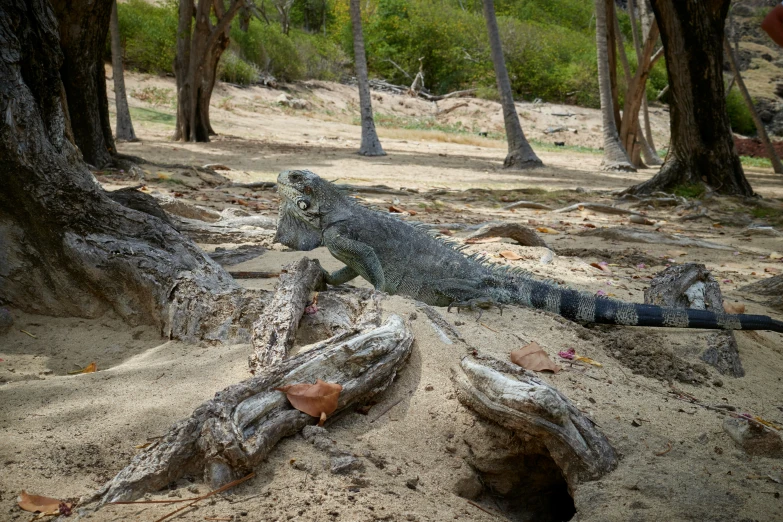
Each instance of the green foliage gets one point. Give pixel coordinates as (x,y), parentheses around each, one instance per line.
(739,114)
(752,161)
(148,32)
(234,69)
(155,96)
(694,191)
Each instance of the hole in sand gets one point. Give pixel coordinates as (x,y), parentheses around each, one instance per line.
(526,488)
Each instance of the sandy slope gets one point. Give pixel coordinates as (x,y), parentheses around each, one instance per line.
(64,435)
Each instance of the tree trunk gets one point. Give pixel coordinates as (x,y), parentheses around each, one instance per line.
(615,156)
(200,43)
(83,27)
(69,249)
(520,154)
(702,149)
(629,128)
(611,50)
(371,145)
(762,132)
(645,137)
(124,129)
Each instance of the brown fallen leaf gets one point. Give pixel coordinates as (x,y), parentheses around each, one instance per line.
(90,368)
(508,254)
(733,308)
(602,267)
(317,400)
(396,210)
(533,357)
(547,230)
(39,504)
(771,270)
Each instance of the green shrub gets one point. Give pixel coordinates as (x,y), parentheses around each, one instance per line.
(739,115)
(234,69)
(320,58)
(149,33)
(268,48)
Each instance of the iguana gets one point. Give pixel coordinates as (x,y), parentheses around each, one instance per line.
(401,258)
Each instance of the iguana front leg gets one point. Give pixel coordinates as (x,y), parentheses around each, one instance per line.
(340,276)
(359,258)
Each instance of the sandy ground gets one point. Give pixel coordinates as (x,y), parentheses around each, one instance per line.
(63,435)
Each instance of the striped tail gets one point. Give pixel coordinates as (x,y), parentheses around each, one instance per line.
(581,307)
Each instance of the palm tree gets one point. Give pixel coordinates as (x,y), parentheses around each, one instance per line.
(520,154)
(615,156)
(371,145)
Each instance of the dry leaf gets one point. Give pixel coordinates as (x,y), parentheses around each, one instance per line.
(317,400)
(733,308)
(602,267)
(533,357)
(90,368)
(640,220)
(771,270)
(775,255)
(546,230)
(39,504)
(508,254)
(587,360)
(396,210)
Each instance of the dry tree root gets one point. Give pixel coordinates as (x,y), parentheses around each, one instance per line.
(230,434)
(275,330)
(692,286)
(531,409)
(523,235)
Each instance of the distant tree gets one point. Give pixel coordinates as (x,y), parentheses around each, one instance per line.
(520,154)
(371,145)
(200,43)
(615,155)
(124,128)
(702,149)
(83,27)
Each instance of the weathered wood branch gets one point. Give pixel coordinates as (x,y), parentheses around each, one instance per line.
(517,400)
(234,431)
(692,286)
(597,207)
(527,204)
(275,330)
(523,235)
(230,227)
(772,286)
(648,236)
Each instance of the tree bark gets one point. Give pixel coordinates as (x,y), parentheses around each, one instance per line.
(233,432)
(762,132)
(68,248)
(200,43)
(702,148)
(83,27)
(371,145)
(520,154)
(615,156)
(648,144)
(124,128)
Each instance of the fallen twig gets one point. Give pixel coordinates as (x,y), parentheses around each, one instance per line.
(213,492)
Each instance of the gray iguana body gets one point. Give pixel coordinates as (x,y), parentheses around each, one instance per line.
(399,258)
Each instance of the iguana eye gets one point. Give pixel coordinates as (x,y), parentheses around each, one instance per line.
(303,204)
(308,190)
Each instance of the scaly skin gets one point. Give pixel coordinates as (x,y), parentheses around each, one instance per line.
(399,258)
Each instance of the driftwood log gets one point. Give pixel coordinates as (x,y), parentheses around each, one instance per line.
(692,286)
(523,235)
(233,226)
(527,204)
(598,207)
(534,411)
(634,235)
(772,286)
(274,332)
(232,433)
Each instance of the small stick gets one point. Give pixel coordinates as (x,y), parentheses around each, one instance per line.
(227,519)
(28,333)
(214,492)
(664,452)
(482,509)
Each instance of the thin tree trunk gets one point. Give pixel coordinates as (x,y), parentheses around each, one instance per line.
(702,148)
(124,129)
(83,29)
(611,15)
(762,132)
(646,139)
(520,154)
(615,156)
(71,250)
(371,145)
(200,43)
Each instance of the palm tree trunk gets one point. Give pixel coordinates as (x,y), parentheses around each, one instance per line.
(371,145)
(762,132)
(615,156)
(520,154)
(124,127)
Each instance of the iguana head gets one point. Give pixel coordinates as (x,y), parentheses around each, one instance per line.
(306,200)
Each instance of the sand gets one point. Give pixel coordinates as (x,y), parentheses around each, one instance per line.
(64,435)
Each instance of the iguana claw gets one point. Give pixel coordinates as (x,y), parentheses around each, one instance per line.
(480,304)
